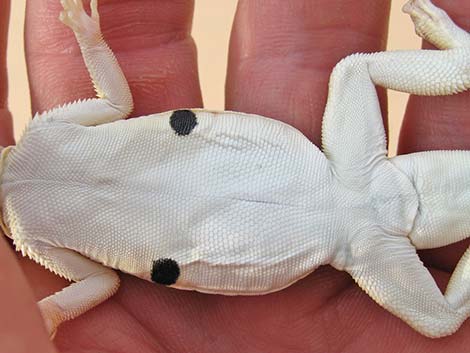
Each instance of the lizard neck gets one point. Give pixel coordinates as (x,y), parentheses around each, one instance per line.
(3,158)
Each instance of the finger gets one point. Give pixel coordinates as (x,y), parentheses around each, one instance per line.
(435,123)
(21,326)
(151,40)
(282,53)
(6,127)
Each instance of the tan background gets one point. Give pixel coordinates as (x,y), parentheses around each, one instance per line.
(210,15)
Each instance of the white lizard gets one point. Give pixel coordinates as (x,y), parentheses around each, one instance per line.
(231,203)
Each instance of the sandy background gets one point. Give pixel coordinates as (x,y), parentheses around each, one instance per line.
(209,14)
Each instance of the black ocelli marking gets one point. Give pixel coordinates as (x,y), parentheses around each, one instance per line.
(165,271)
(183,122)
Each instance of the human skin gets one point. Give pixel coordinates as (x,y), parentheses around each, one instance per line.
(281,55)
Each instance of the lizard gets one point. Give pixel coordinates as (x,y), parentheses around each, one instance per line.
(239,204)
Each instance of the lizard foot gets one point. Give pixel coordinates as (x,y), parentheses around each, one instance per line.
(75,17)
(51,329)
(434,25)
(50,315)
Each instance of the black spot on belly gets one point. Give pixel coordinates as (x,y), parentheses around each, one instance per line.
(165,271)
(183,122)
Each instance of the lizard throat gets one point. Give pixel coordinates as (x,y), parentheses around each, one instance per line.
(3,157)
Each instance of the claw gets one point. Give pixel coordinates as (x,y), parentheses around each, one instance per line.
(75,17)
(67,4)
(62,17)
(78,4)
(434,25)
(65,19)
(94,9)
(408,7)
(423,8)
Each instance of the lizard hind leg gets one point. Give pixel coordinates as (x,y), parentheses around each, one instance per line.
(421,72)
(440,179)
(114,100)
(434,25)
(388,268)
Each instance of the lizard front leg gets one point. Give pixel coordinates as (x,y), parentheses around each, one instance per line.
(94,284)
(114,100)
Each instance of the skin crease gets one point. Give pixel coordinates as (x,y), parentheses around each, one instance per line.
(281,55)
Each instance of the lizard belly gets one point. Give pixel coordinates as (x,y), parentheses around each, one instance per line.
(242,204)
(222,245)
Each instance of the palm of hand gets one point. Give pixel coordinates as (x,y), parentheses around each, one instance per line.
(286,79)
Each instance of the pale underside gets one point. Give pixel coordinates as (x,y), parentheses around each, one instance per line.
(243,205)
(231,203)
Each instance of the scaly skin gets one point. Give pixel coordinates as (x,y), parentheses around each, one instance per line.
(312,291)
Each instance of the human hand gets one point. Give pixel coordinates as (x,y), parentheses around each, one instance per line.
(281,57)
